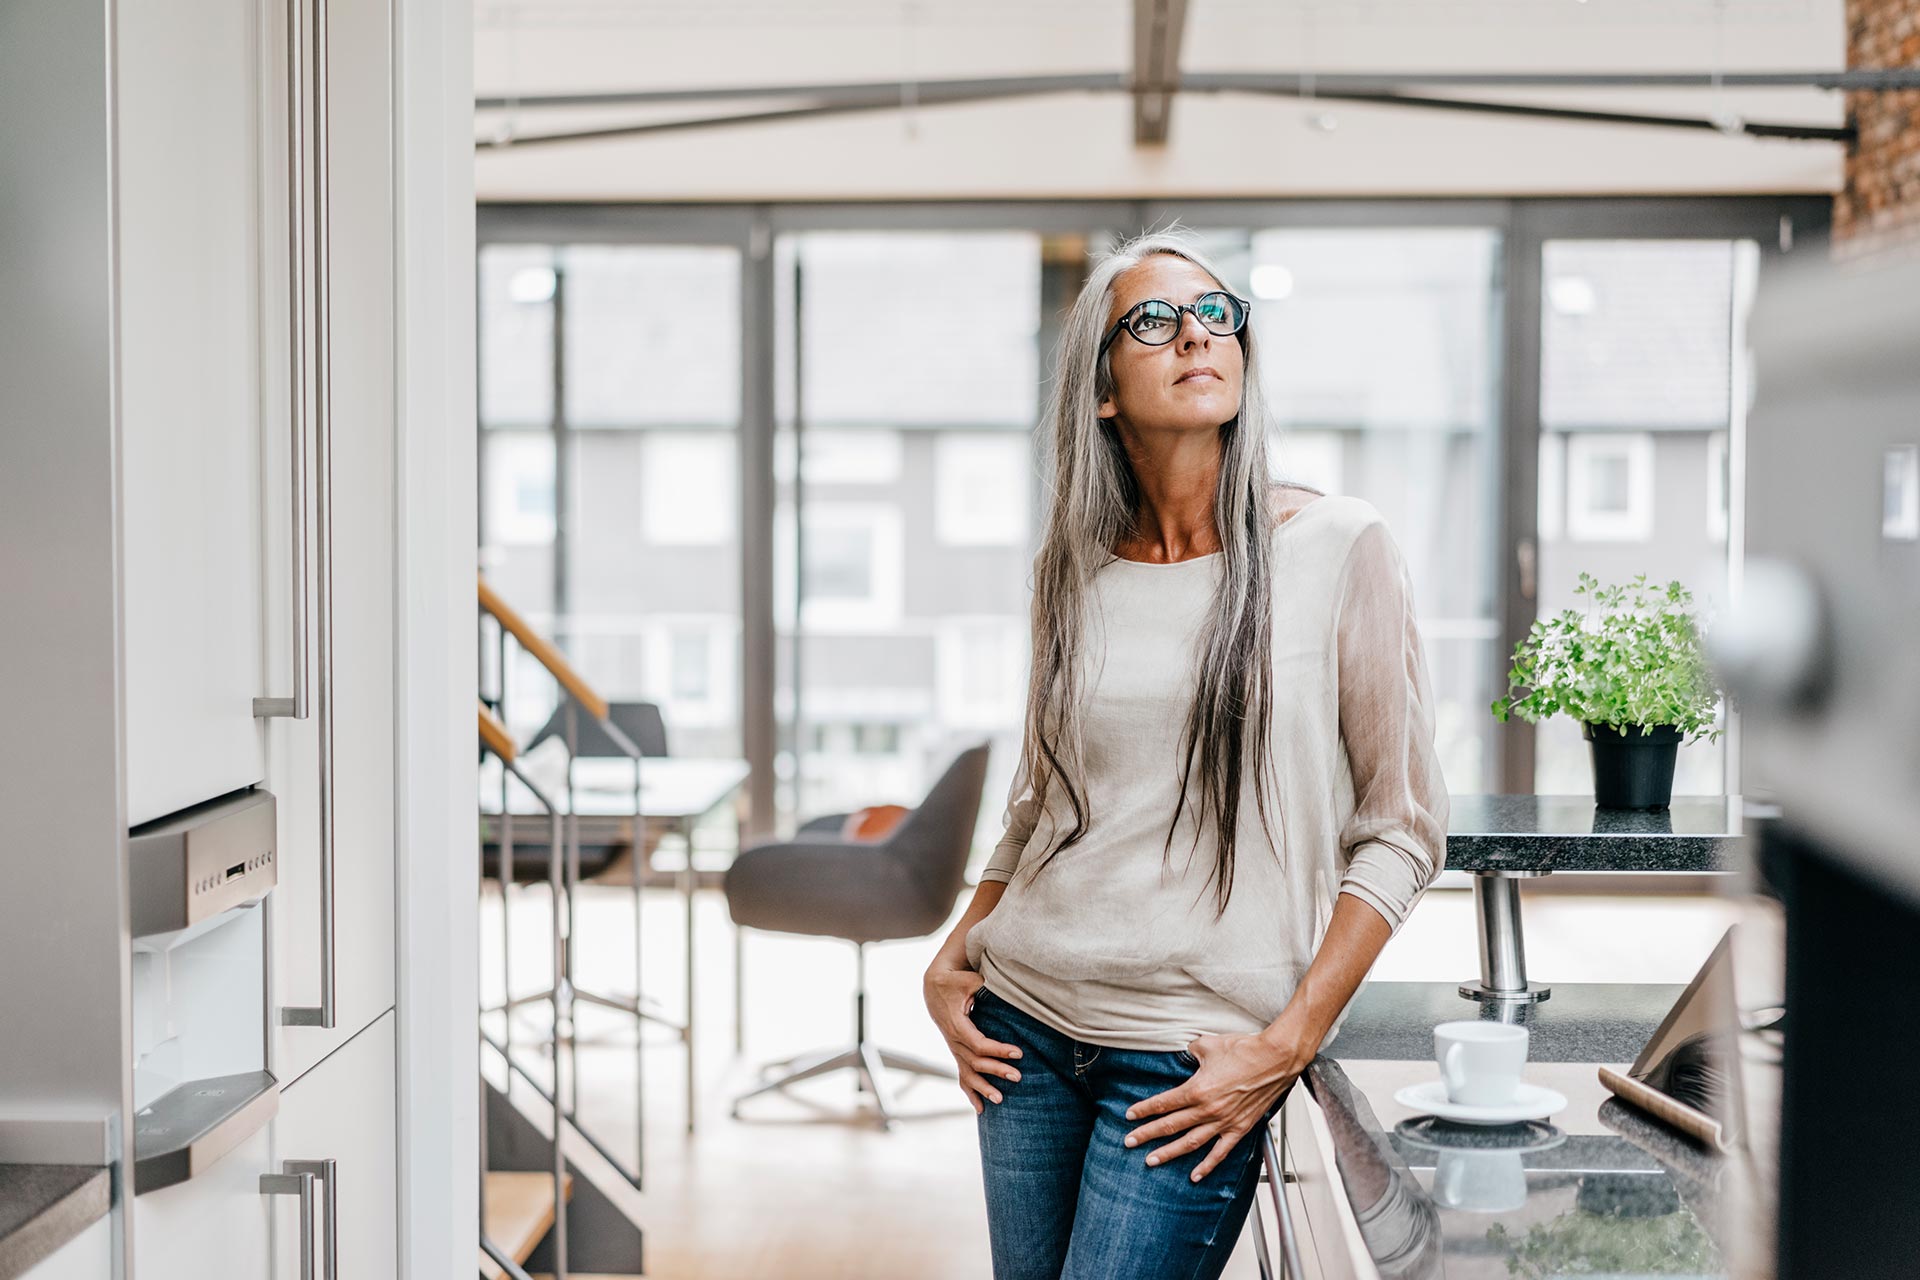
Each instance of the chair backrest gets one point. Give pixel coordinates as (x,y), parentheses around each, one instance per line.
(937,836)
(640,721)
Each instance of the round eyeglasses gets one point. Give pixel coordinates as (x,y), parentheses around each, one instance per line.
(1156,321)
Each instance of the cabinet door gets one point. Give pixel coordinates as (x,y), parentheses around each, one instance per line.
(190,388)
(343,1110)
(214,1224)
(363,578)
(88,1256)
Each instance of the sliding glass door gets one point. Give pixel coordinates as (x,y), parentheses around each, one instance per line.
(906,401)
(1380,359)
(610,402)
(1643,382)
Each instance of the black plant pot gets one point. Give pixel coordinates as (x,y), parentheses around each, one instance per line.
(1632,770)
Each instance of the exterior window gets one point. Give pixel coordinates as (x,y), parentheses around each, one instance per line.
(980,488)
(1900,503)
(1310,457)
(691,664)
(982,671)
(1717,477)
(841,457)
(687,488)
(1553,486)
(1609,487)
(853,566)
(520,488)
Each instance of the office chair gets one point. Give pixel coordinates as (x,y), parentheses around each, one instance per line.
(640,721)
(902,886)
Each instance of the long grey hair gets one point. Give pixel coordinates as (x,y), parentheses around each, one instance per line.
(1093,504)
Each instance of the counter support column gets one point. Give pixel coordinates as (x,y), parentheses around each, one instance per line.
(1503,953)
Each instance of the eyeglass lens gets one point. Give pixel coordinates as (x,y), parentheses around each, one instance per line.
(1156,322)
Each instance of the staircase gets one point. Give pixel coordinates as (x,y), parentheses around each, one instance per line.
(602,1241)
(518,1215)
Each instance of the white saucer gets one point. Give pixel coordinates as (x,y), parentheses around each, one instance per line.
(1530,1102)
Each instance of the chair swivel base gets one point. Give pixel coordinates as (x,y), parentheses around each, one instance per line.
(867,1059)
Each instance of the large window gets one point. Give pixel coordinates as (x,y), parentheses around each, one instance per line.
(646,425)
(1379,356)
(901,554)
(610,478)
(1642,352)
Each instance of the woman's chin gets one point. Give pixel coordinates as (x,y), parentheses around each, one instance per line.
(1202,419)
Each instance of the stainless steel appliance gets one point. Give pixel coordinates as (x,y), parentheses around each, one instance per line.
(1822,654)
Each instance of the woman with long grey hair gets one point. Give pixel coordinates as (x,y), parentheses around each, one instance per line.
(1227,799)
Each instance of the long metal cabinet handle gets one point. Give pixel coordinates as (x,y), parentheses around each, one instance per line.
(295,707)
(326,1171)
(322,1015)
(296,1184)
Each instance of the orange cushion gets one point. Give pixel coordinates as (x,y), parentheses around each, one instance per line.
(873,823)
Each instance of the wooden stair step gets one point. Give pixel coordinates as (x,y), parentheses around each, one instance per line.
(519,1213)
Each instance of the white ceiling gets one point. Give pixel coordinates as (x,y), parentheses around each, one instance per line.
(1081,145)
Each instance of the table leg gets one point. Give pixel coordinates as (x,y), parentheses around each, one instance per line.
(686,889)
(1503,953)
(739,967)
(638,866)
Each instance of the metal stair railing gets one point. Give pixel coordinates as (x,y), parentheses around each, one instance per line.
(495,738)
(581,696)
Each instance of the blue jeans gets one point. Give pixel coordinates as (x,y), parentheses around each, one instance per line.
(1066,1200)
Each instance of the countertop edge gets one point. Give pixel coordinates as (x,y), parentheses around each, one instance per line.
(63,1201)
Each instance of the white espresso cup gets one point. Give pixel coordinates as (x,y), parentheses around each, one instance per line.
(1480,1061)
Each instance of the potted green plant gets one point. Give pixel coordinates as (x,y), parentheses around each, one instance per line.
(1633,672)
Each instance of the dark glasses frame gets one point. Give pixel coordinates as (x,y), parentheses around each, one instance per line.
(1179,319)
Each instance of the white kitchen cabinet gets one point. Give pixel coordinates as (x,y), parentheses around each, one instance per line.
(190,236)
(215,1224)
(88,1256)
(206,269)
(343,1110)
(156,304)
(362,429)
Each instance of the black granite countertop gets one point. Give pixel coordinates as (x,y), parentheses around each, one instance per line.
(43,1206)
(1571,833)
(1583,1022)
(1600,1188)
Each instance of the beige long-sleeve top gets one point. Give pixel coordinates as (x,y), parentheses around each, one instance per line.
(1107,945)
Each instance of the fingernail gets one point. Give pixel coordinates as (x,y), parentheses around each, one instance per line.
(996,1097)
(1130,1141)
(1153,1159)
(1129,1113)
(1014,1054)
(1194,1178)
(1015,1077)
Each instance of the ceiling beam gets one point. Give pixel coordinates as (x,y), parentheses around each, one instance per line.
(1157,29)
(1752,128)
(813,110)
(860,92)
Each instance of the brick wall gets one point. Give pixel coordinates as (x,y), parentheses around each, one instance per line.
(1878,213)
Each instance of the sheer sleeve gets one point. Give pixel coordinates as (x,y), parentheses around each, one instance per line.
(1019,817)
(1395,843)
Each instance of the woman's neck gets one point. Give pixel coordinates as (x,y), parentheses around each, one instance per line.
(1177,481)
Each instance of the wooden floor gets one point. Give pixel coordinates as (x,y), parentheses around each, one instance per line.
(792,1191)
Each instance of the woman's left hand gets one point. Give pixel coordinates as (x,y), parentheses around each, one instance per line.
(1228,1094)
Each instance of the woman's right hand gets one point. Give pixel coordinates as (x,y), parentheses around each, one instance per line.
(949,990)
